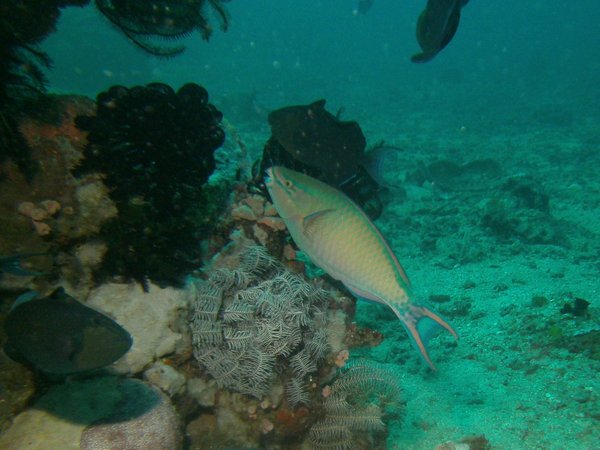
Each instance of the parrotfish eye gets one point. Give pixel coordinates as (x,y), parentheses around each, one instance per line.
(288,184)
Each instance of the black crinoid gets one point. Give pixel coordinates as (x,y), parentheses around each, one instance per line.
(155,149)
(309,139)
(143,20)
(23,25)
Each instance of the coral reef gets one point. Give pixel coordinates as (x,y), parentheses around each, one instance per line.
(24,24)
(258,320)
(141,21)
(354,405)
(155,151)
(41,212)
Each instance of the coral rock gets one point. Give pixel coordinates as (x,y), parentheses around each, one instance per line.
(25,208)
(275,223)
(39,214)
(41,228)
(203,392)
(51,206)
(243,212)
(256,203)
(165,377)
(150,317)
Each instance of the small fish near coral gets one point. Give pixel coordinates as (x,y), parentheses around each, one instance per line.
(60,336)
(339,237)
(436,27)
(13,265)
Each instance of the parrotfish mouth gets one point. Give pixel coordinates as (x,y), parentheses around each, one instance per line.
(268,177)
(275,178)
(280,188)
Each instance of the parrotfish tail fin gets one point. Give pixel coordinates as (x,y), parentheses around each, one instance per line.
(421,323)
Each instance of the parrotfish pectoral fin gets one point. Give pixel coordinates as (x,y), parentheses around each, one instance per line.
(421,324)
(310,222)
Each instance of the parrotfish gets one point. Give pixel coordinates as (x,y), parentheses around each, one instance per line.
(340,238)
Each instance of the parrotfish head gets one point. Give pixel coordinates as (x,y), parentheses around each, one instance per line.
(294,194)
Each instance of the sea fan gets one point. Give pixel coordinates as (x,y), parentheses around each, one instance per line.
(331,436)
(317,345)
(302,363)
(296,392)
(247,321)
(257,261)
(358,400)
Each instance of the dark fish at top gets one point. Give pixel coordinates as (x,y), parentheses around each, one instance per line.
(58,335)
(364,6)
(436,27)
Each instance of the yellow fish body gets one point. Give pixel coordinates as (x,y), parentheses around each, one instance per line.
(339,237)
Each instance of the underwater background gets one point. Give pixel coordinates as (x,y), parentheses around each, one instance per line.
(489,195)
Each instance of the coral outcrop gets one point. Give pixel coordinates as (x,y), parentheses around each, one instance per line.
(135,310)
(42,212)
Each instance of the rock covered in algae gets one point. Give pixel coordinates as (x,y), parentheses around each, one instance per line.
(99,413)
